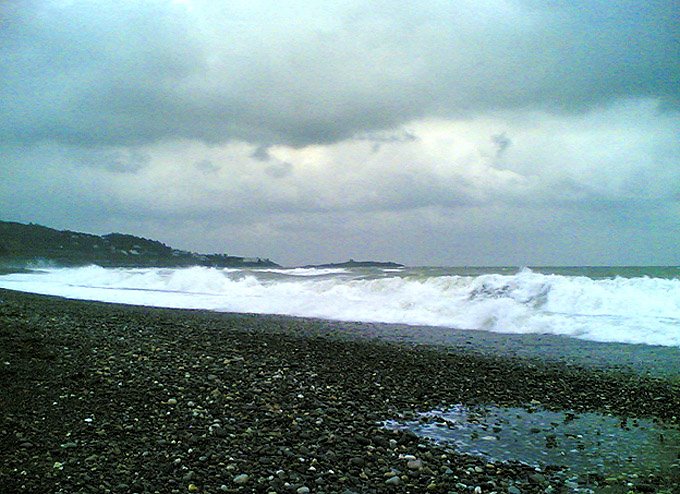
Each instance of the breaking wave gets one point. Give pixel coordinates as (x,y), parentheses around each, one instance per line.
(629,310)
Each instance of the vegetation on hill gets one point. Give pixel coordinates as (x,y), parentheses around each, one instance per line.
(21,244)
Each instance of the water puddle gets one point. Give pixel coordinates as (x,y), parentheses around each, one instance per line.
(586,444)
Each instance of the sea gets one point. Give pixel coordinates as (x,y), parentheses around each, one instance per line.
(631,305)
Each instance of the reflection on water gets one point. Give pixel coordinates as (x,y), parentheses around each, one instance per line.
(586,444)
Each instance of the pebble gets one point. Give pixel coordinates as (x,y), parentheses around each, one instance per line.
(303,490)
(414,464)
(241,478)
(393,481)
(514,490)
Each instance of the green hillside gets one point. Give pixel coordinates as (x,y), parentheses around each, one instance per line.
(21,244)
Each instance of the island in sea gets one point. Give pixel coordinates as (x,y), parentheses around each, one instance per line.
(22,244)
(358,264)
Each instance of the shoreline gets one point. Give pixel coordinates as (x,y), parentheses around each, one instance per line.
(98,397)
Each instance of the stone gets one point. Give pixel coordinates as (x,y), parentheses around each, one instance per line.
(514,490)
(393,481)
(241,479)
(303,490)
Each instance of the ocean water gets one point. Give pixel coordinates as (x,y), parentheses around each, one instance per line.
(604,304)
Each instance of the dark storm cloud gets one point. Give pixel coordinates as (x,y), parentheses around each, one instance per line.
(123,73)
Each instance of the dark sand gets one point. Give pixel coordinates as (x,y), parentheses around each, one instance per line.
(109,398)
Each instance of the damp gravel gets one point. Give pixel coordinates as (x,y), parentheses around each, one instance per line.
(586,444)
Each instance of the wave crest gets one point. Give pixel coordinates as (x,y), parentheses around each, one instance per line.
(630,310)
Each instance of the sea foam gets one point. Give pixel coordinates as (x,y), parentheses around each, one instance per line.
(629,310)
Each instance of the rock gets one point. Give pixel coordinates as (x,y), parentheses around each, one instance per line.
(303,490)
(171,401)
(415,464)
(241,479)
(393,481)
(193,488)
(538,478)
(514,490)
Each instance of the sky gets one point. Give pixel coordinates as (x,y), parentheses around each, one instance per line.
(458,132)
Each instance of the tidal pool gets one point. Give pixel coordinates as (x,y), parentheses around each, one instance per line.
(583,443)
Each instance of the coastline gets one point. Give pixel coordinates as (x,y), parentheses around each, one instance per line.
(98,397)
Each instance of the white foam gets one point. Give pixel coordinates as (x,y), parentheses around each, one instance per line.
(630,310)
(304,271)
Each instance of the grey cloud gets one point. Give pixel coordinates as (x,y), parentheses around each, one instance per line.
(502,143)
(387,137)
(206,166)
(123,73)
(261,153)
(279,170)
(380,138)
(119,161)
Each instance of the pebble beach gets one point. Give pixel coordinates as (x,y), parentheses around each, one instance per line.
(99,397)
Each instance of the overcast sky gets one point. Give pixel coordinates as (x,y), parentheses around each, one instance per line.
(506,132)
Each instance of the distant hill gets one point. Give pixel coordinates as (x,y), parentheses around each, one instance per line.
(21,244)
